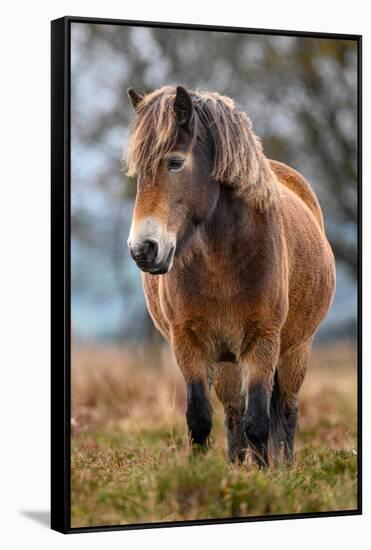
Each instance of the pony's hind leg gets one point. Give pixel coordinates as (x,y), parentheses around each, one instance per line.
(228,388)
(289,378)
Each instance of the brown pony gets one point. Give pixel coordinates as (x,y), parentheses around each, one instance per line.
(237,269)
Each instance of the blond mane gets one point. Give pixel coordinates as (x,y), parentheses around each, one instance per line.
(239,160)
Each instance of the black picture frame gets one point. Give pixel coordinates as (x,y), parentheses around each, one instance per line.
(61,264)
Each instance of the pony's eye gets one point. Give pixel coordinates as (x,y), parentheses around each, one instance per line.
(175,164)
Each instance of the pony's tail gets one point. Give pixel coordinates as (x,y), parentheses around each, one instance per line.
(278,427)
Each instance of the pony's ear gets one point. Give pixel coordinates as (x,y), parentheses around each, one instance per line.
(183,108)
(135,98)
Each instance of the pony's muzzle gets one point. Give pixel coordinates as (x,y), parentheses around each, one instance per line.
(146,256)
(151,246)
(145,253)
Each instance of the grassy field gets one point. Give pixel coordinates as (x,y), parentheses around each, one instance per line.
(130,454)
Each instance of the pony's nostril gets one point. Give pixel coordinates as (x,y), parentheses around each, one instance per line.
(149,251)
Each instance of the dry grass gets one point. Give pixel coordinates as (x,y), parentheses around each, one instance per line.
(130,454)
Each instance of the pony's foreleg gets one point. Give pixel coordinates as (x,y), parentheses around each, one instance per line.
(194,370)
(258,370)
(198,413)
(290,376)
(228,388)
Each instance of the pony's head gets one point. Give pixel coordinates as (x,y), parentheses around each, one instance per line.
(183,146)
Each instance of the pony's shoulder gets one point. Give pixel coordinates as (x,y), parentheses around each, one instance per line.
(294,181)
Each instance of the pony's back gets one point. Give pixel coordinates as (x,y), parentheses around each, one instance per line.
(299,185)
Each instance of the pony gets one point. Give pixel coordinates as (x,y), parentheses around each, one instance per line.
(236,267)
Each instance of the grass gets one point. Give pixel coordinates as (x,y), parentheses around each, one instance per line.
(130,454)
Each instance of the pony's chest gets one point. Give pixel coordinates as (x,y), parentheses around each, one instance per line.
(218,326)
(222,335)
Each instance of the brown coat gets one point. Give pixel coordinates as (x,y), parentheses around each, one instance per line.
(238,270)
(288,291)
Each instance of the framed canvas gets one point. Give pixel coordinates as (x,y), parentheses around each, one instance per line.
(206,274)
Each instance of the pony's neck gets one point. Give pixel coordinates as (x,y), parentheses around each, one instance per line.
(228,251)
(231,226)
(235,237)
(230,241)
